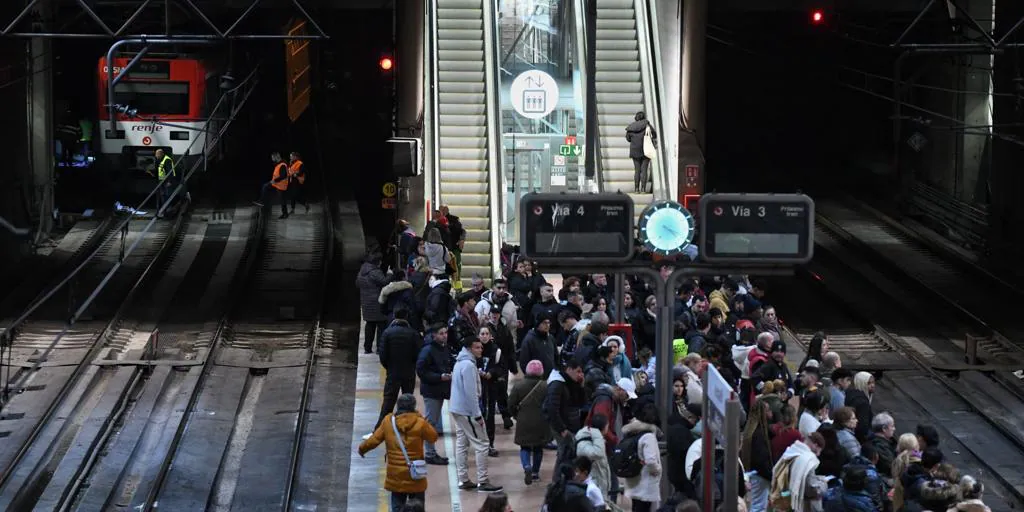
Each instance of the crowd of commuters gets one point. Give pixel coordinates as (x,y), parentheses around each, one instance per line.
(545,362)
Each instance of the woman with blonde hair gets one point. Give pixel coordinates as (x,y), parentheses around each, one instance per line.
(907,452)
(859,398)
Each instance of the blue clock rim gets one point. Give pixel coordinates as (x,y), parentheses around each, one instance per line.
(645,217)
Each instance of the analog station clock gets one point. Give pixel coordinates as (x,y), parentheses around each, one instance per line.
(666,227)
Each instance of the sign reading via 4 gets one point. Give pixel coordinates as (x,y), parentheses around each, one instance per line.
(569,150)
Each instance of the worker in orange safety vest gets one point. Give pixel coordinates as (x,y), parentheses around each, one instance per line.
(297,181)
(278,184)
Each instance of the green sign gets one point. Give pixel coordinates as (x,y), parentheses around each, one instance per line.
(569,150)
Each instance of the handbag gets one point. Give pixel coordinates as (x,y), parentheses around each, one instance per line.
(417,468)
(650,151)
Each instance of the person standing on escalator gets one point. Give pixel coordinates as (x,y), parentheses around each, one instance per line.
(642,147)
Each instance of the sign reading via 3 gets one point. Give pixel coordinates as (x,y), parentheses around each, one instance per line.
(534,94)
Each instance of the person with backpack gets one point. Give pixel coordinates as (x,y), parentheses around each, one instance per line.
(694,457)
(637,459)
(566,494)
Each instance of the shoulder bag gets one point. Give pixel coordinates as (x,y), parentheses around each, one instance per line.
(417,468)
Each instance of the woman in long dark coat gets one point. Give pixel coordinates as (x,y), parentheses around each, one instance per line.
(526,402)
(370,281)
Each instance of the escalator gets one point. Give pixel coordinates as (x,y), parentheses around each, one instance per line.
(625,84)
(463,130)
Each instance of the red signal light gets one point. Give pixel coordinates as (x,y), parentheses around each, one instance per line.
(386,64)
(817,16)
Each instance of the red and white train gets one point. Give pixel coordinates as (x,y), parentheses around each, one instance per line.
(168,90)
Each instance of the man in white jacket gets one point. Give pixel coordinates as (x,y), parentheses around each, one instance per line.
(464,406)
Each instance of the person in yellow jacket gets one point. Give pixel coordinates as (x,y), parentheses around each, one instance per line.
(297,181)
(403,438)
(166,175)
(278,184)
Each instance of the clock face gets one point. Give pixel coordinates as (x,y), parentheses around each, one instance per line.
(666,227)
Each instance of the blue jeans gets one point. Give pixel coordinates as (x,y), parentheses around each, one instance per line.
(759,488)
(538,456)
(433,414)
(399,499)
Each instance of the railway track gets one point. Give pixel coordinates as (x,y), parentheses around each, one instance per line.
(44,272)
(984,304)
(101,371)
(883,328)
(193,418)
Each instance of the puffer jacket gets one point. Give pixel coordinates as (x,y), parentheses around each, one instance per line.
(396,295)
(838,499)
(936,495)
(875,486)
(415,430)
(647,485)
(370,280)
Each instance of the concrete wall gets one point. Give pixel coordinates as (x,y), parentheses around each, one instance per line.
(15,197)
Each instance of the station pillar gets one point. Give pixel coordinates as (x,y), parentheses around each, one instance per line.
(975,79)
(410,97)
(693,99)
(40,118)
(1006,184)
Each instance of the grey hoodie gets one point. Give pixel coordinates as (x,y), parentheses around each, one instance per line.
(465,397)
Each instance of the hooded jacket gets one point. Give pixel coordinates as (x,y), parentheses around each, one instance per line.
(647,485)
(590,444)
(434,361)
(415,430)
(395,295)
(398,348)
(465,398)
(509,310)
(440,305)
(603,402)
(563,402)
(540,346)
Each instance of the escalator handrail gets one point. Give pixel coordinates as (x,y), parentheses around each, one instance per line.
(657,72)
(434,191)
(589,81)
(645,40)
(494,151)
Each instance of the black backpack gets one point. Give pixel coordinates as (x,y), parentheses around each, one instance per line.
(562,492)
(718,474)
(626,461)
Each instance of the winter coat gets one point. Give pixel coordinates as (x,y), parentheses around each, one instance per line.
(678,440)
(539,346)
(509,310)
(415,430)
(862,406)
(849,442)
(758,457)
(563,402)
(935,494)
(590,444)
(527,404)
(645,331)
(838,499)
(970,506)
(886,450)
(782,437)
(647,485)
(440,305)
(396,295)
(603,402)
(503,339)
(635,137)
(398,349)
(466,390)
(874,487)
(595,373)
(433,361)
(370,280)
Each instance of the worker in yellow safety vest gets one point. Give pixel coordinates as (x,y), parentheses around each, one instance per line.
(278,184)
(297,181)
(166,176)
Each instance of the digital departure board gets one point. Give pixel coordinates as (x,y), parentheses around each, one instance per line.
(596,228)
(756,228)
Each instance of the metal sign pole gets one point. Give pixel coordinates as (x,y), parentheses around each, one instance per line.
(707,458)
(620,298)
(733,411)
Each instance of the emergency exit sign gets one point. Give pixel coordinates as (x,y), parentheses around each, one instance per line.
(569,150)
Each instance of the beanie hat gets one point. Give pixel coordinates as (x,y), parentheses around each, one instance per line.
(535,368)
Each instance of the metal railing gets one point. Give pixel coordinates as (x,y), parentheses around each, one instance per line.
(579,9)
(495,170)
(244,89)
(647,41)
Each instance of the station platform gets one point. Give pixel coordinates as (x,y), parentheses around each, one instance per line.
(366,475)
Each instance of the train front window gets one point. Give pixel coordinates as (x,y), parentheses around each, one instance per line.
(154,98)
